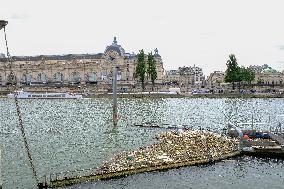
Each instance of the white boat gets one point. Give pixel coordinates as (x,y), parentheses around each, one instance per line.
(27,95)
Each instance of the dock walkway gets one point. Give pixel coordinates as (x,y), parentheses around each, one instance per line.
(96,177)
(277,137)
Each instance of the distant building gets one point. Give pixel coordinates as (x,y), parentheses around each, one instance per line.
(185,76)
(262,69)
(194,73)
(215,79)
(172,77)
(268,76)
(2,55)
(75,69)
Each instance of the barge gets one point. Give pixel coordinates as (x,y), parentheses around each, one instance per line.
(27,95)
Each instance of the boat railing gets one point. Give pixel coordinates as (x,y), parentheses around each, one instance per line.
(262,126)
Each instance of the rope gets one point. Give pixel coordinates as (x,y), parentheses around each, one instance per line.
(25,138)
(20,118)
(7,48)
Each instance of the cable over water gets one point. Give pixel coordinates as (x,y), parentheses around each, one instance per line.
(25,138)
(20,117)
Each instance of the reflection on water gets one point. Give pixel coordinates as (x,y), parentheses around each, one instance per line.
(78,134)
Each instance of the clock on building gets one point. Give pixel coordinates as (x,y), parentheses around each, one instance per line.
(111,55)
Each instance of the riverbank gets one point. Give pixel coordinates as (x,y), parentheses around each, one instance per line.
(237,95)
(158,96)
(187,95)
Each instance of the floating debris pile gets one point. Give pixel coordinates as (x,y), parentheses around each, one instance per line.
(173,147)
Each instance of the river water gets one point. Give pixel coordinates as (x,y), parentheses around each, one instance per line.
(68,135)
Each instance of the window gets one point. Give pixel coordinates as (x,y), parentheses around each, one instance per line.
(58,77)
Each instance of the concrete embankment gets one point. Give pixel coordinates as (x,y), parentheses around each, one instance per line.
(174,149)
(237,95)
(138,95)
(187,95)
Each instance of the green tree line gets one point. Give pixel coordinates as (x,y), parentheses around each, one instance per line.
(236,74)
(146,68)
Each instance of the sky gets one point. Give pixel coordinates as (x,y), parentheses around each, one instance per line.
(186,32)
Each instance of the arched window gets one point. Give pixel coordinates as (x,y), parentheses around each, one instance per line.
(58,77)
(91,77)
(104,75)
(11,79)
(41,77)
(118,75)
(75,77)
(26,79)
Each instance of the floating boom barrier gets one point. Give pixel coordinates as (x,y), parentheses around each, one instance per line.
(174,149)
(105,176)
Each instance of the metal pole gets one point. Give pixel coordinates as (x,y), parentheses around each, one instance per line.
(114,91)
(252,121)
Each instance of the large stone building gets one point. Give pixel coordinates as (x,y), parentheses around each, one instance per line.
(74,69)
(215,79)
(269,77)
(185,76)
(266,75)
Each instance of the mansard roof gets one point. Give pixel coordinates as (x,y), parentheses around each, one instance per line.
(54,57)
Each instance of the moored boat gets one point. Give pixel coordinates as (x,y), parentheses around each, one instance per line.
(28,95)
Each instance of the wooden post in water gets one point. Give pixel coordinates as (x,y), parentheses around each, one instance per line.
(114,92)
(111,57)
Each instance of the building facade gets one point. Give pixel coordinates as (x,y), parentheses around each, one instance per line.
(185,76)
(74,69)
(266,75)
(215,79)
(269,78)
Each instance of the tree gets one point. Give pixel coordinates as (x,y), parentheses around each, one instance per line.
(260,81)
(151,69)
(233,71)
(247,75)
(141,68)
(251,75)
